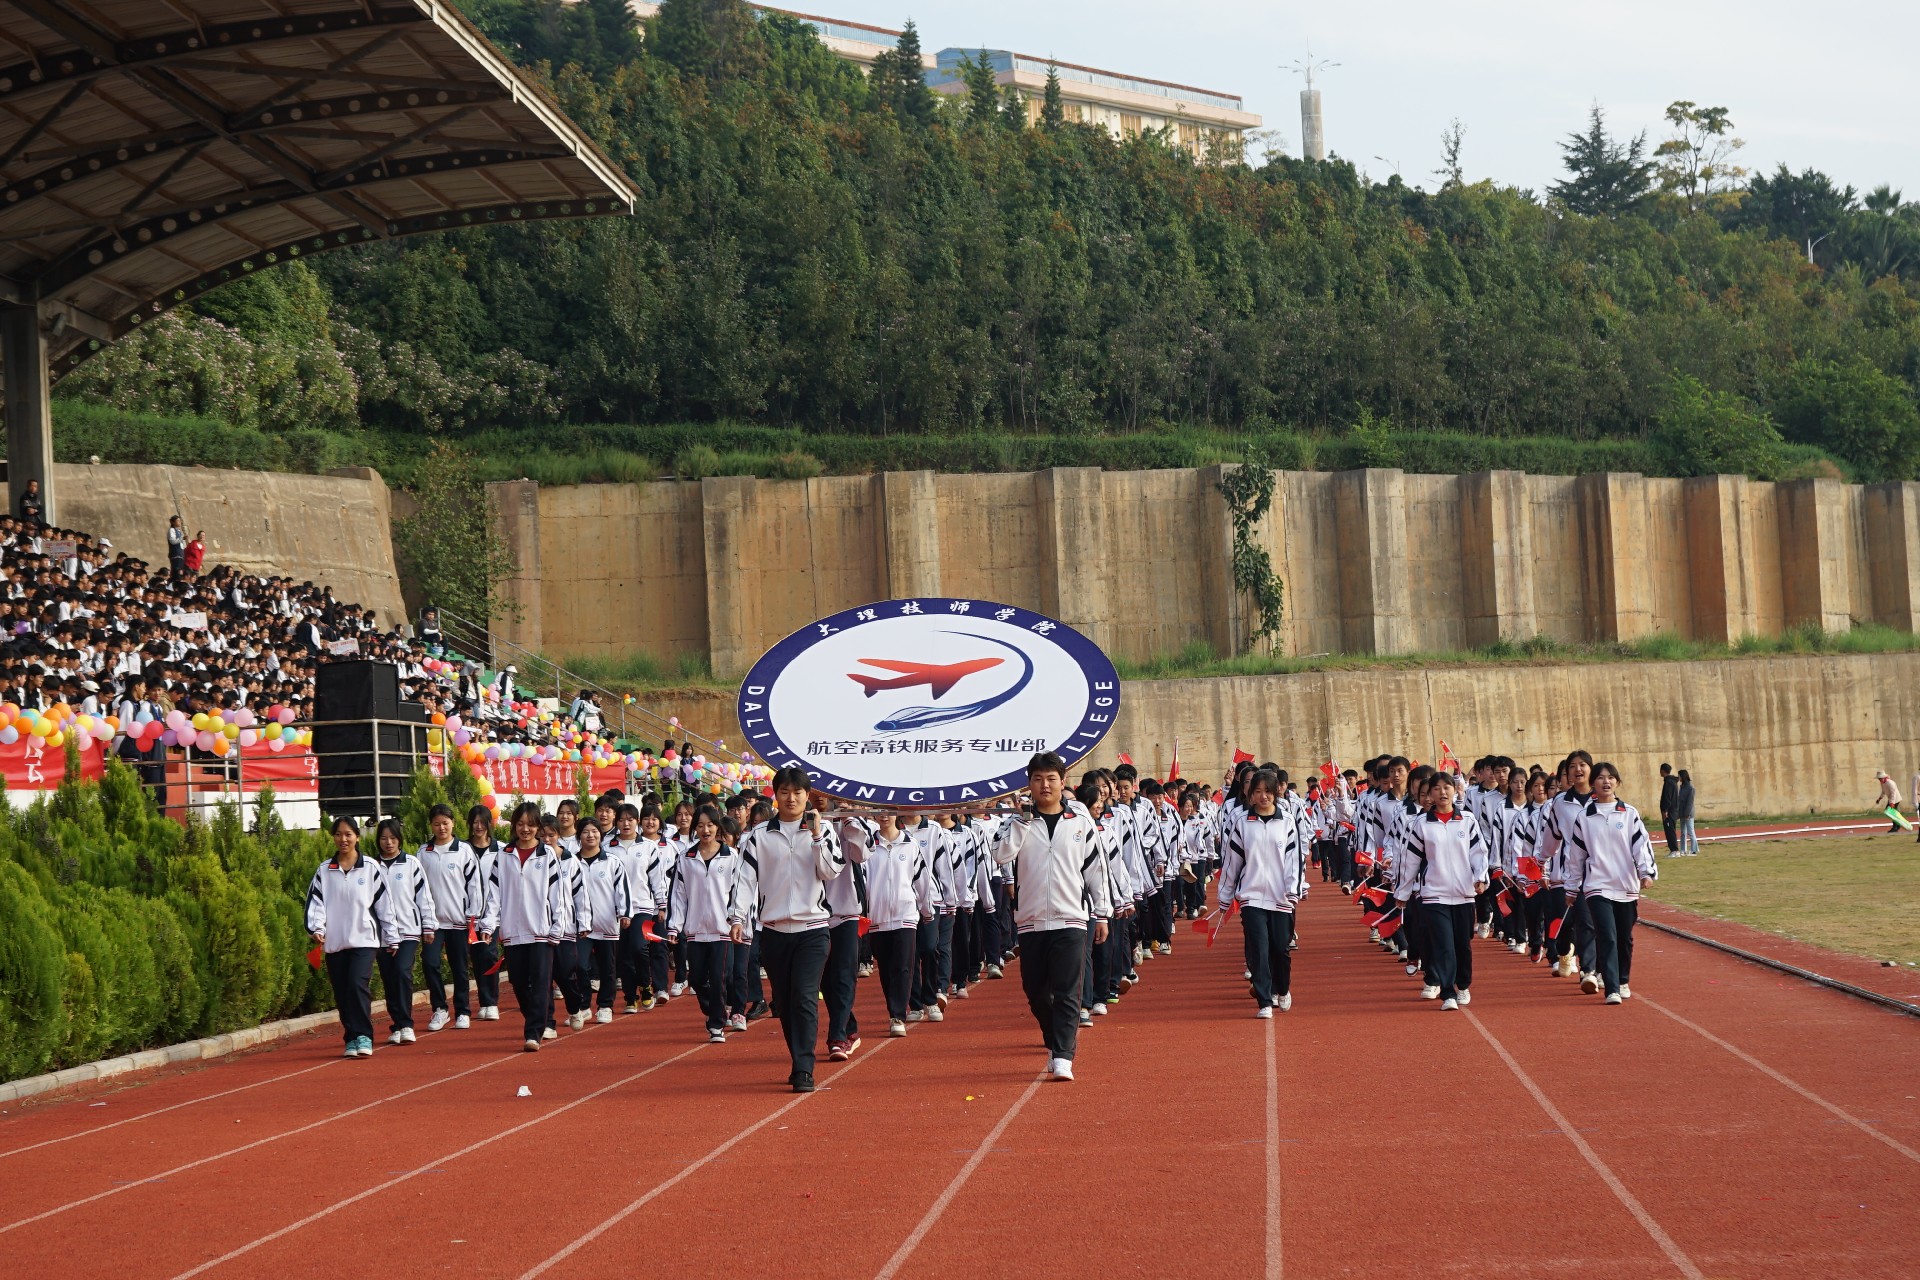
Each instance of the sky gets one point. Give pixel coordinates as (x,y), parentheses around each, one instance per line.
(1827,86)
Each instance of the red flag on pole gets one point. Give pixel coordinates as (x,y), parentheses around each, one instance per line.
(317,956)
(1125,758)
(1242,757)
(1173,770)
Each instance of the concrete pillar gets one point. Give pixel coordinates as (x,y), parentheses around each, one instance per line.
(516,512)
(23,362)
(1816,581)
(733,601)
(1370,512)
(1722,591)
(1613,536)
(1075,586)
(1228,619)
(907,529)
(1892,511)
(1496,557)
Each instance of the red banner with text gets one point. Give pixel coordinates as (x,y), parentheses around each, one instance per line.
(30,765)
(532,778)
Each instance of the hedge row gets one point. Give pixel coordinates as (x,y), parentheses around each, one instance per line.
(121,930)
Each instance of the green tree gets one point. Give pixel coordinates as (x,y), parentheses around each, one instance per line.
(1696,160)
(899,78)
(1701,432)
(1854,409)
(1053,108)
(716,40)
(450,547)
(1804,207)
(1606,176)
(983,95)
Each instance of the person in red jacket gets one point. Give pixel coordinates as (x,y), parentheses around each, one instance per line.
(197,551)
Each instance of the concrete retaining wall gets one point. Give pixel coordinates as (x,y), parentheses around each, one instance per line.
(332,530)
(1374,561)
(1760,735)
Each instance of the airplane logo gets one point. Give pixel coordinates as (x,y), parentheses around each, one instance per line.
(939,677)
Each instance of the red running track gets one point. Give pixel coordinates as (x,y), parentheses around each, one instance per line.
(1725,1122)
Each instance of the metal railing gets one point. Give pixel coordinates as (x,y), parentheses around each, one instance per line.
(466,638)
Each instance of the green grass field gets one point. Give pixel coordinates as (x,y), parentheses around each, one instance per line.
(1851,893)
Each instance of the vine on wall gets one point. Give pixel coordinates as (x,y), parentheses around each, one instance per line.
(1248,490)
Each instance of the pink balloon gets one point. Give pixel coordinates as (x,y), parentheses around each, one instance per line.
(204,741)
(244,718)
(248,737)
(276,745)
(176,720)
(461,737)
(286,715)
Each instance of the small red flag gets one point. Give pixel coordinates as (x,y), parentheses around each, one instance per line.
(1242,757)
(1530,867)
(1391,925)
(647,932)
(317,956)
(1503,903)
(1125,758)
(473,933)
(1173,770)
(864,925)
(1372,919)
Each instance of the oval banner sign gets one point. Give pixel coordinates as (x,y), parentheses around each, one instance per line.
(928,702)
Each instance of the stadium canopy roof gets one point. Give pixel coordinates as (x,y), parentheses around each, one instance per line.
(152,150)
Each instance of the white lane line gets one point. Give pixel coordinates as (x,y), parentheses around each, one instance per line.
(635,1206)
(1639,1211)
(160,1111)
(1794,1085)
(1274,1269)
(939,1206)
(467,1150)
(247,1146)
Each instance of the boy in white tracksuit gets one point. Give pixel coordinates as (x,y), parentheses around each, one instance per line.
(899,902)
(1057,864)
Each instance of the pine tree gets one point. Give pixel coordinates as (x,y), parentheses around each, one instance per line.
(1053,111)
(1608,178)
(1013,109)
(908,93)
(983,96)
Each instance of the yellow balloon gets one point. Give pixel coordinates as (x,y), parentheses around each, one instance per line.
(230,730)
(55,738)
(199,721)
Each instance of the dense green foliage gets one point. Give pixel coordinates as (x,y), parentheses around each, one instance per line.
(849,257)
(121,930)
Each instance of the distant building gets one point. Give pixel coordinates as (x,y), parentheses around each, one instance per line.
(1204,122)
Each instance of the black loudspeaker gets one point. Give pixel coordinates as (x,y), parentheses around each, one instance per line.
(366,740)
(356,690)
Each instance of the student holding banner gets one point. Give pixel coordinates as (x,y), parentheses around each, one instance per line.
(1057,864)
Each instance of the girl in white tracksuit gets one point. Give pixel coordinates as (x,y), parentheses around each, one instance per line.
(349,916)
(413,916)
(704,910)
(1609,861)
(609,912)
(486,958)
(1448,856)
(899,901)
(530,905)
(1263,868)
(453,877)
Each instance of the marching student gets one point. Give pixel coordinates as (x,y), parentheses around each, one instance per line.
(663,851)
(704,912)
(786,866)
(1102,987)
(899,902)
(847,901)
(453,878)
(1055,857)
(1610,862)
(610,908)
(1574,946)
(929,981)
(486,959)
(349,915)
(411,902)
(1262,868)
(623,843)
(530,905)
(1450,873)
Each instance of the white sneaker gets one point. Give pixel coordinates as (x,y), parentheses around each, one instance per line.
(1614,998)
(1518,948)
(1060,1069)
(716,1036)
(738,1022)
(1626,992)
(462,1022)
(934,1014)
(896,1028)
(531,1046)
(1446,1005)
(406,1035)
(916,1015)
(1264,1011)
(1429,993)
(960,993)
(577,1020)
(1466,997)
(995,971)
(940,1000)
(677,989)
(549,1034)
(438,1020)
(1086,1017)
(1412,969)
(1099,1009)
(1284,1003)
(489,1013)
(1589,983)
(605,1015)
(396,1038)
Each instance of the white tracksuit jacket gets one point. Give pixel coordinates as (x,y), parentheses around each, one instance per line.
(1062,875)
(351,909)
